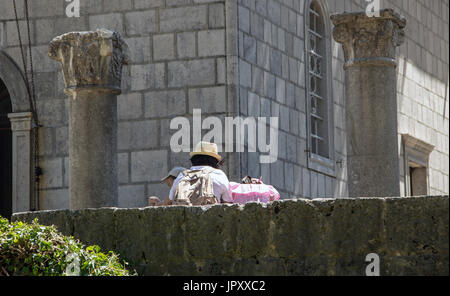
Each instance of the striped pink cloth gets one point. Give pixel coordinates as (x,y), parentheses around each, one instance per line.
(243,193)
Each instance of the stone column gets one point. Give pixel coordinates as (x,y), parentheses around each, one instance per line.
(23,176)
(92,69)
(369,45)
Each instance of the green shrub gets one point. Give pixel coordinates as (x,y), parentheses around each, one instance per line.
(33,249)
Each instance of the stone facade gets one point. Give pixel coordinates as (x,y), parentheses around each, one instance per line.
(229,57)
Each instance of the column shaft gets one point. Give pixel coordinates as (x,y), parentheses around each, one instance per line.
(92,149)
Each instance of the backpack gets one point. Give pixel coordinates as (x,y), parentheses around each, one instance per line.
(195,188)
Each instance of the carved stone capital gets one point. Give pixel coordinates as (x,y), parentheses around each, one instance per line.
(91,59)
(369,40)
(21,121)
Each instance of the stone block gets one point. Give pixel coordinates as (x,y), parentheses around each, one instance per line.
(314,184)
(261,7)
(257,26)
(117,5)
(221,70)
(186,45)
(165,103)
(66,172)
(52,172)
(301,153)
(281,40)
(123,166)
(245,73)
(277,177)
(191,73)
(47,29)
(95,226)
(244,19)
(159,190)
(249,49)
(269,85)
(211,43)
(306,192)
(132,196)
(54,199)
(112,21)
(275,62)
(139,49)
(90,7)
(298,176)
(274,11)
(267,31)
(8,9)
(52,112)
(280,90)
(265,107)
(129,106)
(293,70)
(139,4)
(253,165)
(62,141)
(12,37)
(284,118)
(41,62)
(257,80)
(148,165)
(150,76)
(140,22)
(216,15)
(183,18)
(263,55)
(253,105)
(289,176)
(300,103)
(46,8)
(294,124)
(209,100)
(163,47)
(137,135)
(302,121)
(284,17)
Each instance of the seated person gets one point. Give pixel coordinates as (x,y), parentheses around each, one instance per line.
(204,183)
(168,180)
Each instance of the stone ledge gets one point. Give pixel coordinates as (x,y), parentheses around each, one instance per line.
(288,237)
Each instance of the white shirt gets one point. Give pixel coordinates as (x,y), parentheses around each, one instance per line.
(221,185)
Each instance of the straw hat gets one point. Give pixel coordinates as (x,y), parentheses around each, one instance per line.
(206,148)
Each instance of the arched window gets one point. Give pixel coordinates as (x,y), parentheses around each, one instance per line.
(319,88)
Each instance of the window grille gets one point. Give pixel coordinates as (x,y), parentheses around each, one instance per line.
(317,92)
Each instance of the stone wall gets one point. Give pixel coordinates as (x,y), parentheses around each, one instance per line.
(177,50)
(272,83)
(222,56)
(290,237)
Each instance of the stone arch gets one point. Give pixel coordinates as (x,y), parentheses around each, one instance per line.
(22,134)
(14,80)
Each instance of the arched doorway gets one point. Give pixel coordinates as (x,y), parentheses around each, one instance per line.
(5,153)
(16,149)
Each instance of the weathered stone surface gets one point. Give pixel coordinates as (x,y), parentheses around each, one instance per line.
(369,45)
(90,58)
(369,40)
(290,237)
(92,69)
